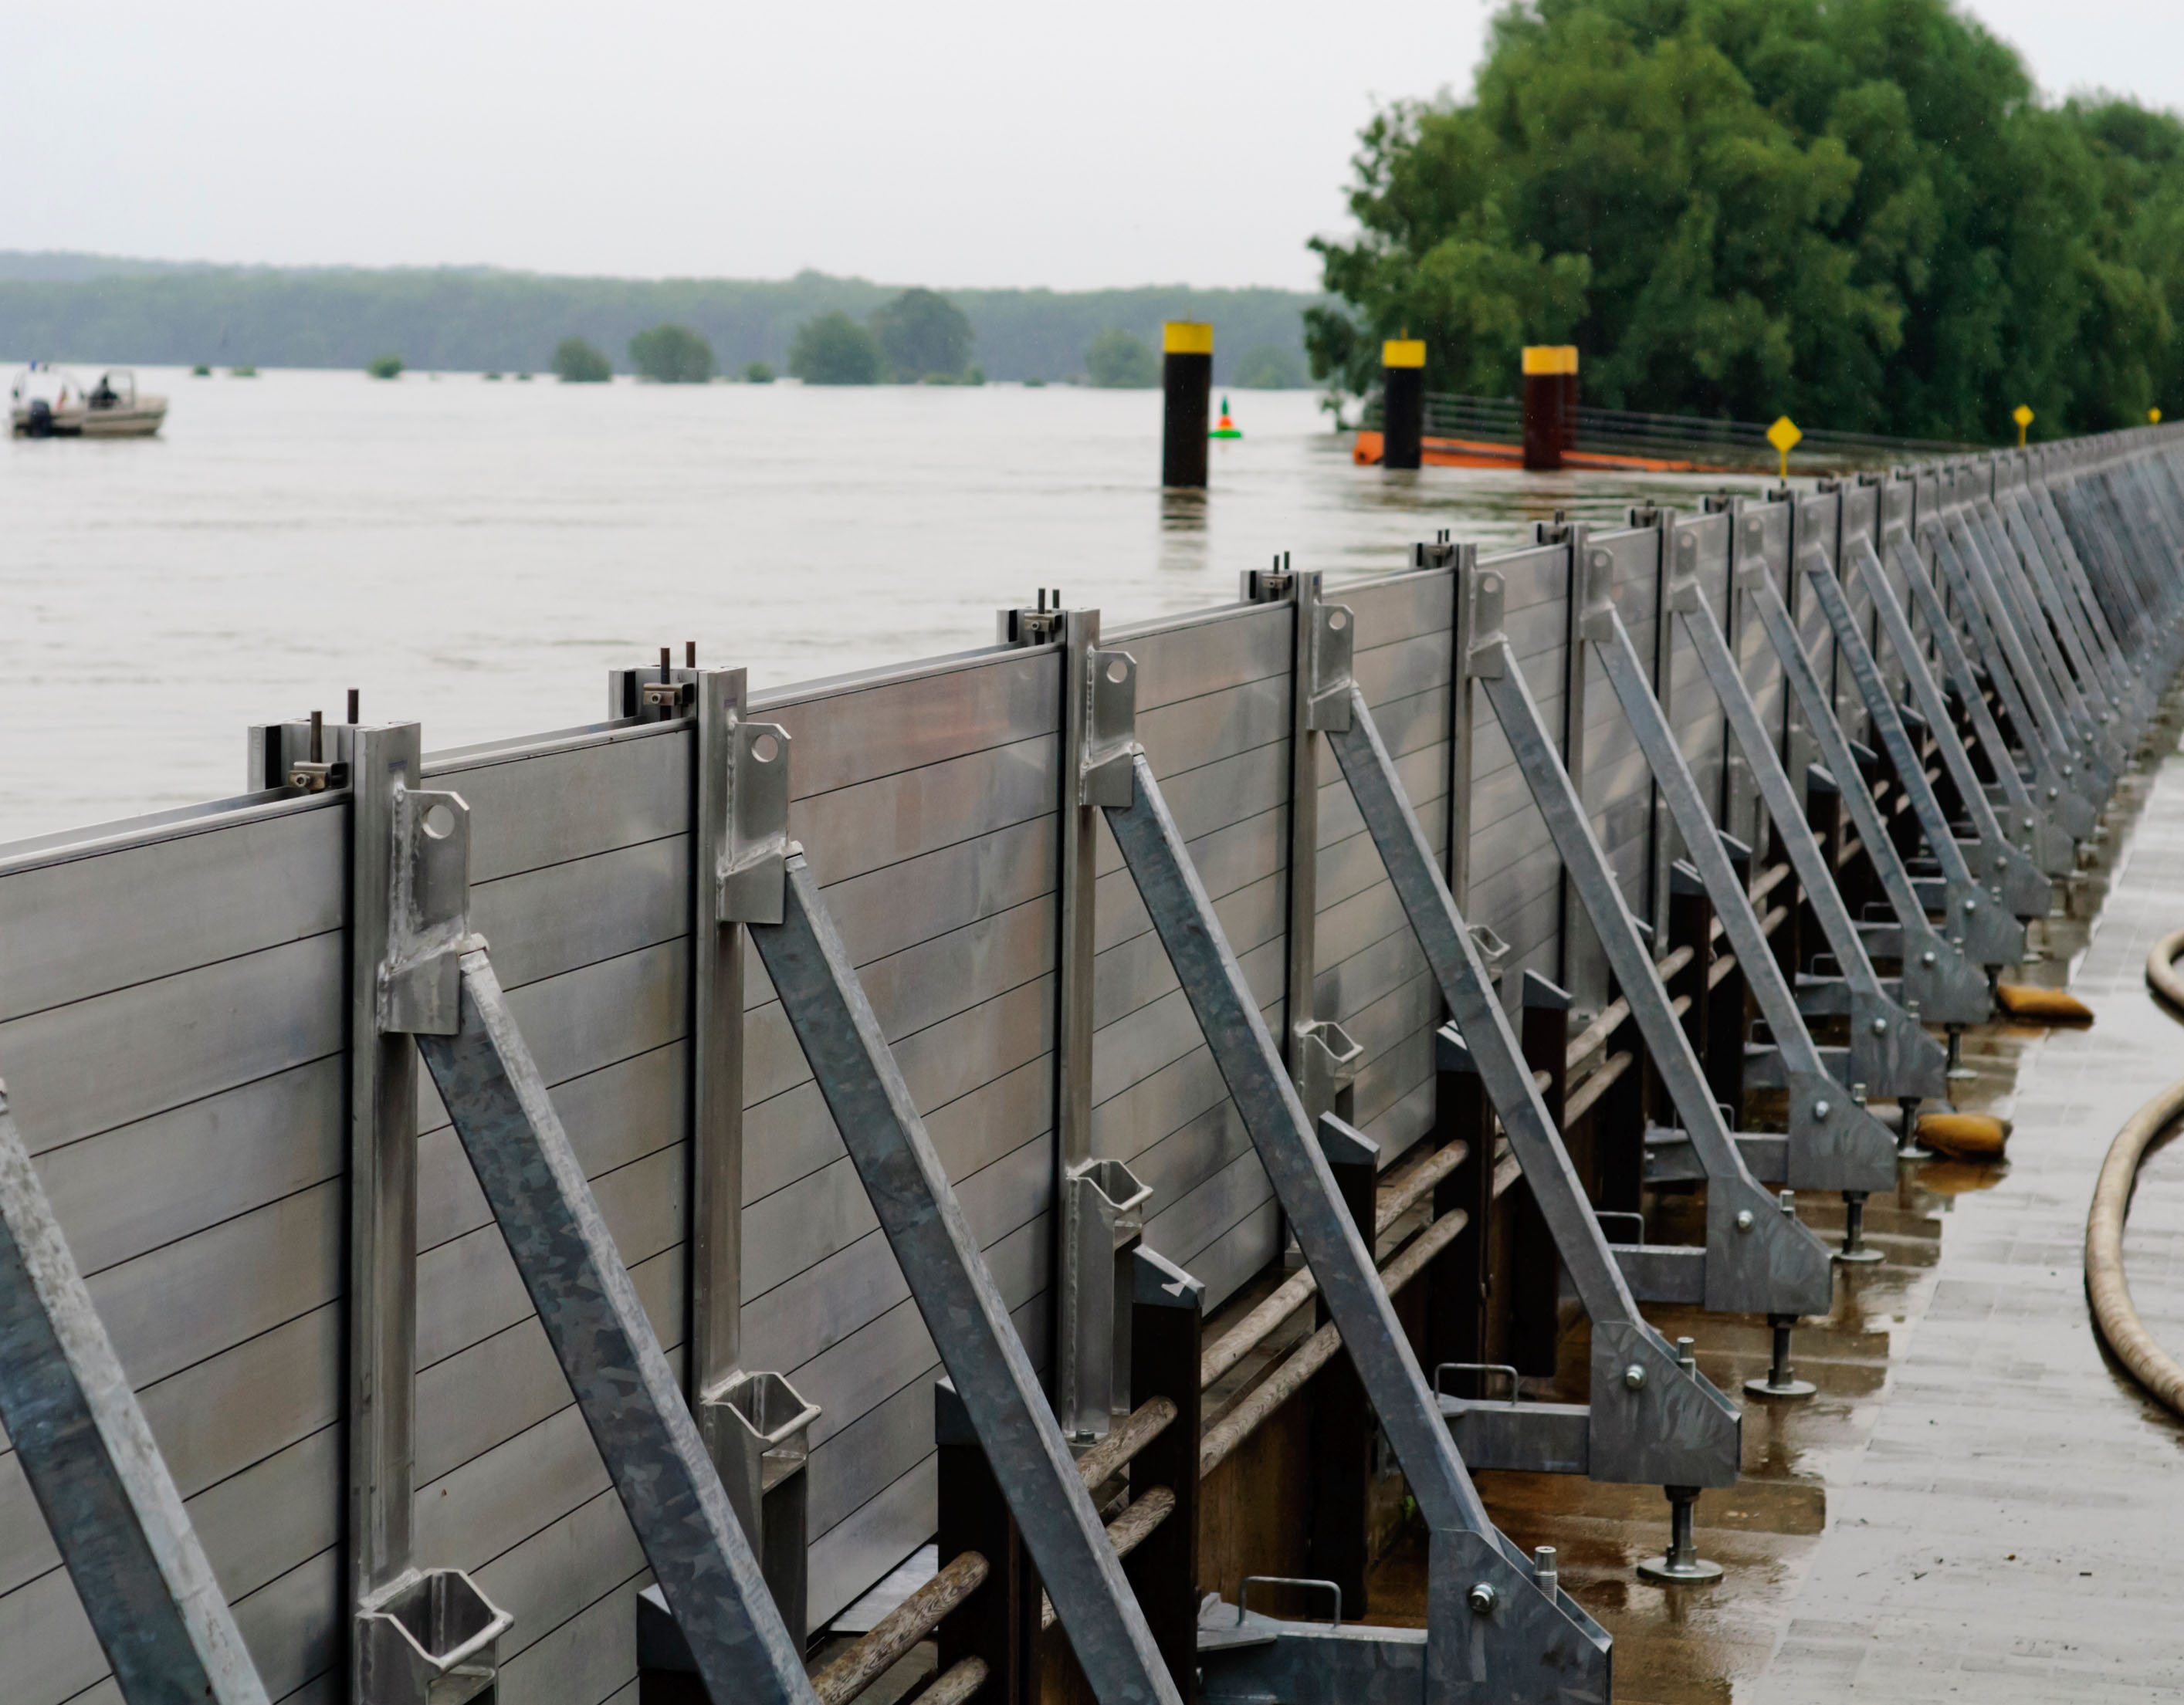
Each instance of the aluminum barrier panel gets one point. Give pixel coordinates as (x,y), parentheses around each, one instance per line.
(176,1025)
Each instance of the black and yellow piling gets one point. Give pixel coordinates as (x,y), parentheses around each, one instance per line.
(1187,378)
(1550,403)
(1402,402)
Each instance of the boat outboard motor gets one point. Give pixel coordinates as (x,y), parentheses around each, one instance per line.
(40,423)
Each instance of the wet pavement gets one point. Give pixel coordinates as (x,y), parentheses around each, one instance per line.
(1977,1502)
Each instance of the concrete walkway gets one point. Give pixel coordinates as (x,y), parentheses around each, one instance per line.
(2012,1527)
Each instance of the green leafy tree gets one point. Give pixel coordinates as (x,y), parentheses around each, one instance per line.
(672,355)
(1853,211)
(388,366)
(833,349)
(577,362)
(923,334)
(1120,361)
(757,373)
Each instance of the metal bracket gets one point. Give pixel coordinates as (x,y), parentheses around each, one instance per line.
(1327,1067)
(1484,590)
(757,1428)
(1103,1220)
(1110,730)
(429,915)
(1334,638)
(755,841)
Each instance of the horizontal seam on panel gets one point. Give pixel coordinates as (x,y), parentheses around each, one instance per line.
(209,1095)
(928,764)
(531,1309)
(591,964)
(304,1438)
(215,1225)
(589,1606)
(1174,776)
(168,976)
(880,1231)
(676,1141)
(1044,814)
(1281,674)
(976,1089)
(683,834)
(895,1042)
(835,1160)
(563,1083)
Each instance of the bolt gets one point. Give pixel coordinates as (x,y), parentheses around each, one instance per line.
(689,653)
(1634,1378)
(355,705)
(1545,1573)
(1971,906)
(1481,1599)
(1684,1359)
(1880,1026)
(1929,958)
(1788,1200)
(1744,1221)
(1820,1108)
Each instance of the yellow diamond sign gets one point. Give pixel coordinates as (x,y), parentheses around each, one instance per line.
(2021,414)
(1784,435)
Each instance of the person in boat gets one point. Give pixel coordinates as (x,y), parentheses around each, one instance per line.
(103,395)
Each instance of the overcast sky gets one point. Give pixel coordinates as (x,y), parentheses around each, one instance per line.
(959,143)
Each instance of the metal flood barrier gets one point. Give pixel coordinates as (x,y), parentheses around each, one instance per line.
(843,1106)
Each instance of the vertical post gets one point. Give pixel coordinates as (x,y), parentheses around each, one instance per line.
(1339,1548)
(1463,563)
(1725,1045)
(382,1170)
(1573,929)
(998,1623)
(1534,1268)
(1167,1317)
(1101,1202)
(1187,382)
(1461,1278)
(1550,401)
(1402,402)
(716,1060)
(1319,1054)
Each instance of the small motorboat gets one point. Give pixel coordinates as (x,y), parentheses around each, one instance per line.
(50,402)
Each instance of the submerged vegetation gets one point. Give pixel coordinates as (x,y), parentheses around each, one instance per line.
(1853,211)
(833,349)
(577,362)
(672,355)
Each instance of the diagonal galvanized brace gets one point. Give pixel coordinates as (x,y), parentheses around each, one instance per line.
(1671,1428)
(606,1343)
(962,1307)
(1991,937)
(1898,1058)
(1835,1144)
(96,1470)
(1937,973)
(2037,828)
(2008,867)
(1527,1645)
(1759,1261)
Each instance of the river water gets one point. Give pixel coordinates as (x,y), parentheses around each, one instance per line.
(475,555)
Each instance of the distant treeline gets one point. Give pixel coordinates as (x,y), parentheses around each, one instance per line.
(88,308)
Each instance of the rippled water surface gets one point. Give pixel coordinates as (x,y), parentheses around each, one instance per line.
(476,556)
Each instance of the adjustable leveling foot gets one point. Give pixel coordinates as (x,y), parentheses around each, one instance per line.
(1780,1383)
(1682,1562)
(1853,1250)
